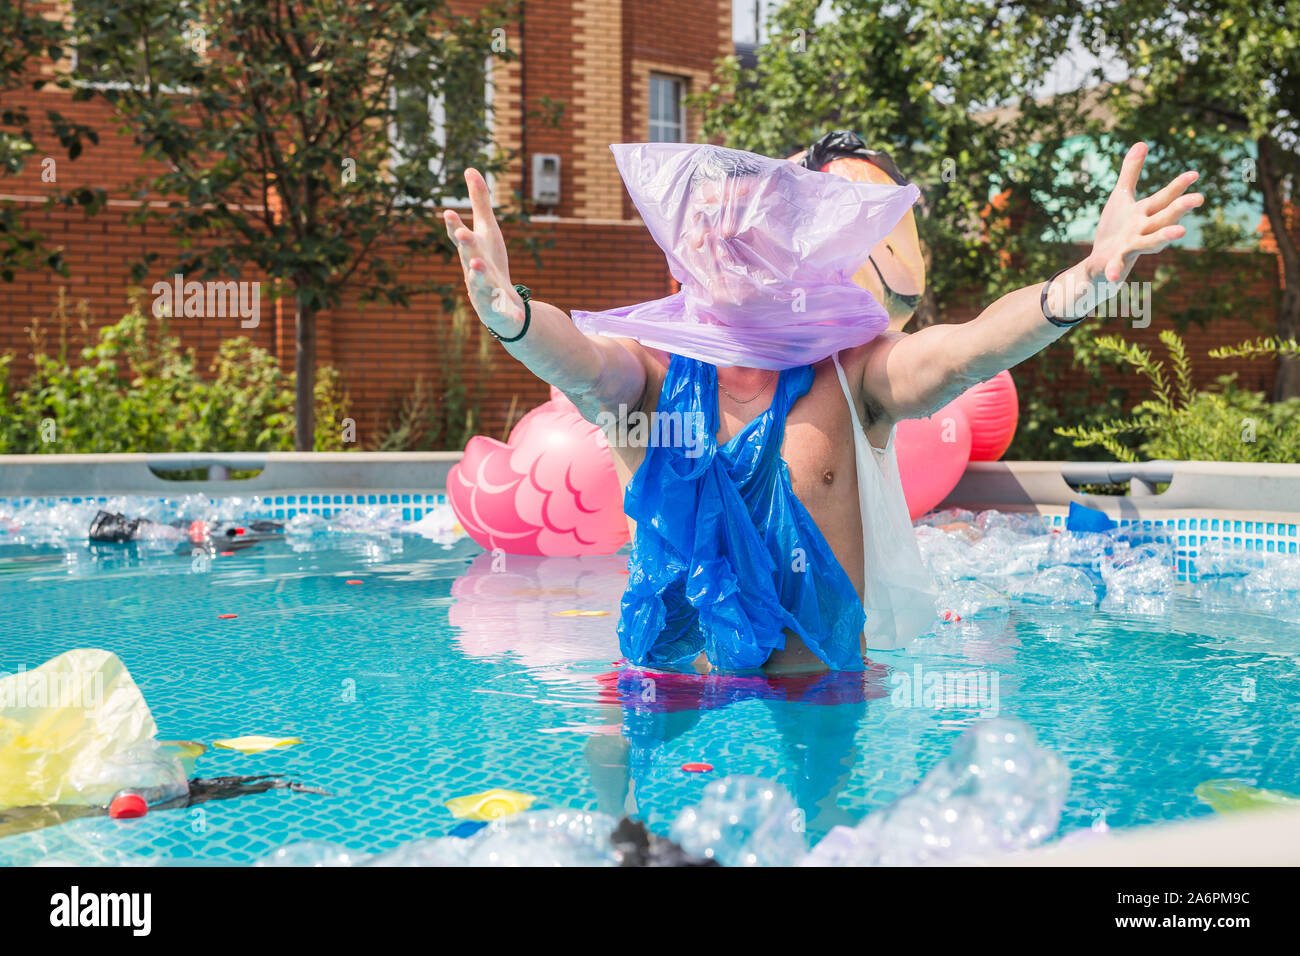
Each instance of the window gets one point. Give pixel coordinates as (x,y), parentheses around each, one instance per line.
(442,146)
(108,52)
(667,111)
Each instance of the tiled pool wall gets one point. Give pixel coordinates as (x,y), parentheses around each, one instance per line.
(1186,533)
(1189,533)
(277,507)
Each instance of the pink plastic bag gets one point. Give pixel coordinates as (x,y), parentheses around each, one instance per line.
(764,250)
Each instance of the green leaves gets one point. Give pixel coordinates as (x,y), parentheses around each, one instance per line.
(1178,422)
(135,389)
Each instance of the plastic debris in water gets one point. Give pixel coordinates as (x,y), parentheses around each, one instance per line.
(996,792)
(255,743)
(490,804)
(579,613)
(442,851)
(545,838)
(76,731)
(1139,581)
(1058,586)
(637,846)
(534,838)
(313,853)
(743,821)
(1233,796)
(127,805)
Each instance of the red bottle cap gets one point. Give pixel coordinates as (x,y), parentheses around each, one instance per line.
(127,805)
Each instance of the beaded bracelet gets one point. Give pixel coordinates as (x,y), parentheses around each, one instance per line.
(524,293)
(1042,301)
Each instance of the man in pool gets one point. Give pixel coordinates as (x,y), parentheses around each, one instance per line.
(758,554)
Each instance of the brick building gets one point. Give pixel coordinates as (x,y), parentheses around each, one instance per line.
(607,61)
(621,69)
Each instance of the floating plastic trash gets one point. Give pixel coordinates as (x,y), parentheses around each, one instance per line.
(545,838)
(490,804)
(127,805)
(77,731)
(254,743)
(1059,586)
(1083,518)
(443,851)
(743,821)
(313,853)
(996,792)
(1233,796)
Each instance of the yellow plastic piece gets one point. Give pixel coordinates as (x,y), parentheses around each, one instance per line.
(1233,796)
(62,722)
(577,613)
(255,743)
(490,804)
(186,751)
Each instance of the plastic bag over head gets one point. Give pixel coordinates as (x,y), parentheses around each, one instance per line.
(764,250)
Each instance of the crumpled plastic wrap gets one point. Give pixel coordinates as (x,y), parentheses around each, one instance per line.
(743,821)
(764,249)
(77,730)
(996,792)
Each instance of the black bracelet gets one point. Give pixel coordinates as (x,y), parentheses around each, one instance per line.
(1042,301)
(524,293)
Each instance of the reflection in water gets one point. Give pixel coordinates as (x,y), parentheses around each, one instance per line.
(817,716)
(509,605)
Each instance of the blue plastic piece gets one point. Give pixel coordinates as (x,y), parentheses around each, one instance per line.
(468,828)
(726,558)
(1083,518)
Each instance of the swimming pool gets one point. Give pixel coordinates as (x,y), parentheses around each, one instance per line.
(415,672)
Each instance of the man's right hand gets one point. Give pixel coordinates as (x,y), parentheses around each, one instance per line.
(483,259)
(596,372)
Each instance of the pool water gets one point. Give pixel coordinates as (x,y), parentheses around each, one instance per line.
(445,671)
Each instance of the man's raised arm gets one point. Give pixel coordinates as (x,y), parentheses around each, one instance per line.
(596,372)
(915,375)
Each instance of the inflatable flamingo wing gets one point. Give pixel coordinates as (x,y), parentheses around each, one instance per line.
(551,490)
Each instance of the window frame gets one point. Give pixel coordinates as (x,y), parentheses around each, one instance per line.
(437,111)
(682,123)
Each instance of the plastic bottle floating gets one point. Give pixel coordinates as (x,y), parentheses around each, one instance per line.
(254,743)
(490,804)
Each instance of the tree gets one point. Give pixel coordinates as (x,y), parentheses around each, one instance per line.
(28,36)
(1215,85)
(938,84)
(299,137)
(957,91)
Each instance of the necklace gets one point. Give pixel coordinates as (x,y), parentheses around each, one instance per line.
(746,401)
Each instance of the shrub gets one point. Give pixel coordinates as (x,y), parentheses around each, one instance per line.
(1178,422)
(135,389)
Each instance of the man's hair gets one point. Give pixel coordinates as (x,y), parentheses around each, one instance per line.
(718,165)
